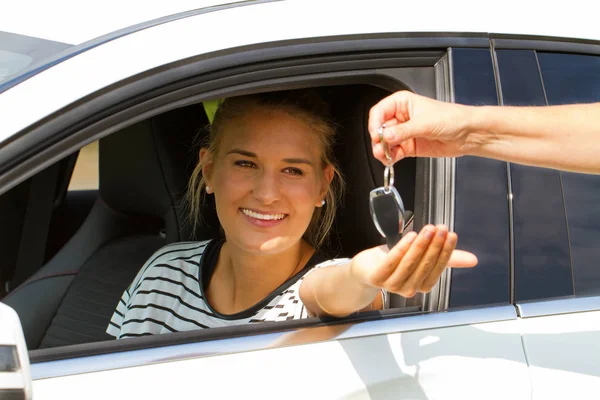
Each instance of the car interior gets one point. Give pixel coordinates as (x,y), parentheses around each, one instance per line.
(68,255)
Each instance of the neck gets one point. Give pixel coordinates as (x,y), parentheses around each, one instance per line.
(242,279)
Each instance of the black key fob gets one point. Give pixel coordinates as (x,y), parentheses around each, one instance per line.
(387,211)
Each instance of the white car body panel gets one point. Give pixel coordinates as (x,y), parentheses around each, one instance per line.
(564,355)
(69,21)
(74,22)
(464,362)
(132,54)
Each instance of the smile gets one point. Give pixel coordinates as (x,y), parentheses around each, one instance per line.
(264,217)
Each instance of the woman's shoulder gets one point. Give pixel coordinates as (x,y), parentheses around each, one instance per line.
(178,250)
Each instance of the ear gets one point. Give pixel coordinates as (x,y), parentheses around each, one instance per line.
(328,174)
(206,158)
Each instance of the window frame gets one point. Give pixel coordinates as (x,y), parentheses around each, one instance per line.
(60,135)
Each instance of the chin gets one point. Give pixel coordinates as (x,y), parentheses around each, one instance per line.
(269,246)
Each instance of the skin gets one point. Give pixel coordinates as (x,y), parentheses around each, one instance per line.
(269,161)
(562,137)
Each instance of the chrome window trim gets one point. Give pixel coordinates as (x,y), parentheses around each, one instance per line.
(441,192)
(558,306)
(542,43)
(137,358)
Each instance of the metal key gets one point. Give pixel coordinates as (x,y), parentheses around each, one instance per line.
(385,203)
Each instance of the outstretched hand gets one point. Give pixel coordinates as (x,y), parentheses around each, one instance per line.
(414,264)
(417,126)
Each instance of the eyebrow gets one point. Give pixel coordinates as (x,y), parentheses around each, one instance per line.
(253,155)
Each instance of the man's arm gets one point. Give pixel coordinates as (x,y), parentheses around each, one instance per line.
(562,137)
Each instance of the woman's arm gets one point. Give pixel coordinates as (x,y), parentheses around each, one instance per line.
(334,291)
(413,265)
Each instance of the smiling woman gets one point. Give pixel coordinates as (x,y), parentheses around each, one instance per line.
(269,165)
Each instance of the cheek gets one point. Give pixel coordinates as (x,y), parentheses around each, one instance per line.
(304,194)
(230,185)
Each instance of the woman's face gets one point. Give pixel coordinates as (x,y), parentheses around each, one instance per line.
(267,179)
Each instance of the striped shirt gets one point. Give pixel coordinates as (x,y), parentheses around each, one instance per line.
(168,294)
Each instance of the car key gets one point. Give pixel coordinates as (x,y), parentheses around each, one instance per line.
(385,203)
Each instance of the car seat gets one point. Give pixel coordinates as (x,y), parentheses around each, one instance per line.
(144,171)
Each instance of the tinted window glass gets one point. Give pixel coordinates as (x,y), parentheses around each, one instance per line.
(542,263)
(481,208)
(572,78)
(11,63)
(19,53)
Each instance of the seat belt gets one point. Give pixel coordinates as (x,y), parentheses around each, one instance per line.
(34,235)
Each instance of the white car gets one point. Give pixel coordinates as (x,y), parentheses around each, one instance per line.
(523,324)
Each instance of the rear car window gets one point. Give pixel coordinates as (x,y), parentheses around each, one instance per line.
(11,63)
(573,78)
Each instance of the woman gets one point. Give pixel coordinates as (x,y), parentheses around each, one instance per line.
(270,168)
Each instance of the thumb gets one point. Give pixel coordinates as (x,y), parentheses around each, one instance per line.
(397,134)
(462,259)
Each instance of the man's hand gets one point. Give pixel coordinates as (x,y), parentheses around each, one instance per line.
(417,126)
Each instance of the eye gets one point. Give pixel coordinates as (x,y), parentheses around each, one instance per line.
(294,171)
(245,164)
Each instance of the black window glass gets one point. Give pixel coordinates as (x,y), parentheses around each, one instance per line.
(481,207)
(571,78)
(542,263)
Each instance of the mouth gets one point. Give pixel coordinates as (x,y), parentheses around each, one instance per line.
(262,216)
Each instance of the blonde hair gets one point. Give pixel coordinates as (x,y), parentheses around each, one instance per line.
(305,104)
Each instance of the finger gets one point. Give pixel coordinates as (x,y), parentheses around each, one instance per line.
(442,262)
(378,153)
(462,259)
(389,265)
(404,266)
(387,109)
(375,138)
(397,134)
(397,153)
(428,262)
(379,114)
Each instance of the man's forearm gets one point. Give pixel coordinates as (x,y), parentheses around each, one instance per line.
(563,137)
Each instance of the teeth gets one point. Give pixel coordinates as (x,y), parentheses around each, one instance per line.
(262,216)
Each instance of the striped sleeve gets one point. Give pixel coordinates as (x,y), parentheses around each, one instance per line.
(116,321)
(167,260)
(114,326)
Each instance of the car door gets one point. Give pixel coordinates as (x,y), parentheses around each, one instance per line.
(472,351)
(556,228)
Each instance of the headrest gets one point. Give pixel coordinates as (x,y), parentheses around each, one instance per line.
(353,229)
(144,169)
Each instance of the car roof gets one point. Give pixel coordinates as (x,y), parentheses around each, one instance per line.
(75,22)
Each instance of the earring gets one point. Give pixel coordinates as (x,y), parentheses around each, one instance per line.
(322,202)
(207,189)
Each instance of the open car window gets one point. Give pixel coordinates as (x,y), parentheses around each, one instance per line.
(133,206)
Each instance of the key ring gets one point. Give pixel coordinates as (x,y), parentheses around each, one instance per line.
(388,178)
(386,150)
(388,174)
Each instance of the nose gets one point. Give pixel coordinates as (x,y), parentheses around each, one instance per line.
(266,187)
